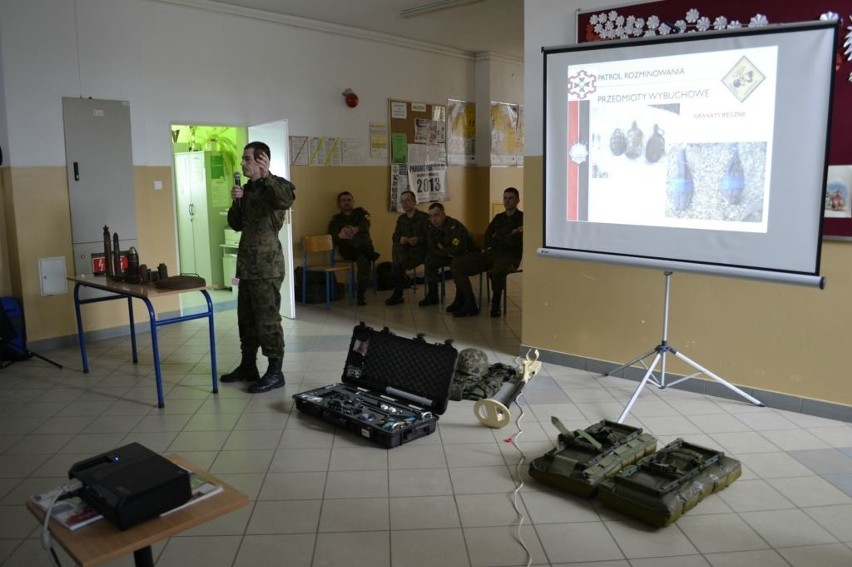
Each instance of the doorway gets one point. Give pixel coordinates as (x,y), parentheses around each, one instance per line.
(205,158)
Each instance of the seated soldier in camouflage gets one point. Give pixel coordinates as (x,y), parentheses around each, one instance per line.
(448,239)
(504,243)
(409,243)
(350,230)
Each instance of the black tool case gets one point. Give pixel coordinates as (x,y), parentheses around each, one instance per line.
(393,387)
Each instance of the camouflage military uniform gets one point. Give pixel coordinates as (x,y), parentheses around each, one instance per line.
(450,240)
(358,248)
(406,257)
(503,251)
(504,247)
(260,263)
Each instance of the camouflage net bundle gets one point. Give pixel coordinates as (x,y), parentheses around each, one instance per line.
(475,379)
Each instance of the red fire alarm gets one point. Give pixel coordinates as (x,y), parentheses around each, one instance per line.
(351,98)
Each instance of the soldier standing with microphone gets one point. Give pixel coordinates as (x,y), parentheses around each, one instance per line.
(258,212)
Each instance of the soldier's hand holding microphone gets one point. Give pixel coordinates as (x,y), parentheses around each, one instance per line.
(237,190)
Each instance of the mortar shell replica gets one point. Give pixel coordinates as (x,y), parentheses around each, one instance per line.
(680,186)
(733,182)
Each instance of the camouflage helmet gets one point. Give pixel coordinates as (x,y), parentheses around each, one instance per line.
(473,362)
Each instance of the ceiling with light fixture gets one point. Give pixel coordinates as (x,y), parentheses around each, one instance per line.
(474,26)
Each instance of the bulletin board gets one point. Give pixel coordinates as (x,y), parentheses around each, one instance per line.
(678,16)
(418,151)
(416,123)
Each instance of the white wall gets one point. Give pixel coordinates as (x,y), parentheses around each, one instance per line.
(547,23)
(185,65)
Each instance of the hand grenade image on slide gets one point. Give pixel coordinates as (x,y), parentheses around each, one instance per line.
(617,142)
(656,146)
(634,142)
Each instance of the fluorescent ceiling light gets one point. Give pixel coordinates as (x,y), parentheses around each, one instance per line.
(435,6)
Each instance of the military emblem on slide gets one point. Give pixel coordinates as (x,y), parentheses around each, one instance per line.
(743,79)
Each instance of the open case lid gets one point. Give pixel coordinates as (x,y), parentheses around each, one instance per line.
(410,370)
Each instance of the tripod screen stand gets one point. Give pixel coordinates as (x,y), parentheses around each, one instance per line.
(660,352)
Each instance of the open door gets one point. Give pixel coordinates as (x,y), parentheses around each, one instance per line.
(275,135)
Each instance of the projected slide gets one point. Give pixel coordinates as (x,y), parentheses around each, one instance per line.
(699,152)
(675,141)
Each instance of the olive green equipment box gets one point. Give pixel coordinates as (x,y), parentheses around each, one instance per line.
(662,487)
(585,457)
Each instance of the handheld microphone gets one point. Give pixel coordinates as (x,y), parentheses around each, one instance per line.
(237,181)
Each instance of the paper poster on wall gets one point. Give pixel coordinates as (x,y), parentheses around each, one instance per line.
(324,151)
(353,151)
(378,139)
(507,134)
(399,110)
(837,192)
(429,131)
(461,132)
(429,182)
(299,150)
(399,147)
(427,153)
(399,183)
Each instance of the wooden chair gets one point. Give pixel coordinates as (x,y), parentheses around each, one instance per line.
(323,244)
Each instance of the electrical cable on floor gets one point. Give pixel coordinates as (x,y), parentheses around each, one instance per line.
(63,492)
(519,483)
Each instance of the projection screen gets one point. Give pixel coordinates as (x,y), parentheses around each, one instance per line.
(702,152)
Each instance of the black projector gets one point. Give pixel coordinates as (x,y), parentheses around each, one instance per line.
(131,484)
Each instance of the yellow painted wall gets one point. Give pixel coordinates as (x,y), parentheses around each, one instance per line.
(37,224)
(5,233)
(500,179)
(769,336)
(317,189)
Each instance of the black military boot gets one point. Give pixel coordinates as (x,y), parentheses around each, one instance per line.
(495,303)
(247,370)
(273,378)
(396,298)
(468,307)
(361,289)
(431,296)
(457,303)
(371,253)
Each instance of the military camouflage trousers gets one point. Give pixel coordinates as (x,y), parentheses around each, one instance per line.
(404,258)
(259,320)
(363,265)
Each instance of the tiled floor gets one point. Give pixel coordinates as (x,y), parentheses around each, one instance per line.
(321,497)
